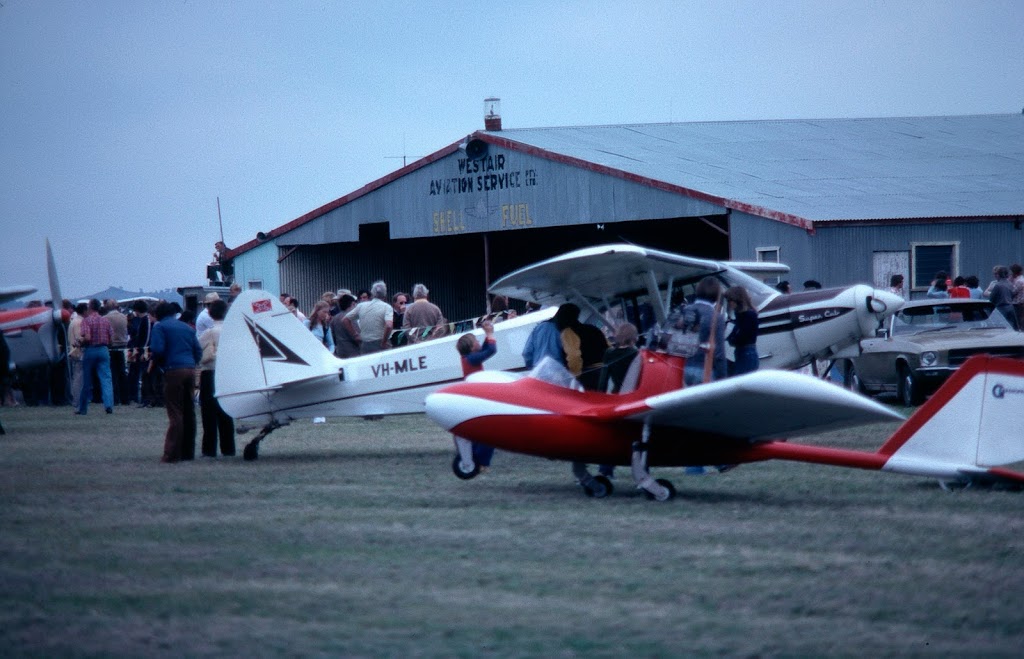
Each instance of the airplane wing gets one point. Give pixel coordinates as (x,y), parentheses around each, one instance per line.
(766,404)
(609,271)
(8,293)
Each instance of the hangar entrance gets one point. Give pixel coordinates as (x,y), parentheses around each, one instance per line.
(457,269)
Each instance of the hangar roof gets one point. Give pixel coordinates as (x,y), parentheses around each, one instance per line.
(813,169)
(800,171)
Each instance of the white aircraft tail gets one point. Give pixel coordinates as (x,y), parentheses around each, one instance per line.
(968,428)
(263,347)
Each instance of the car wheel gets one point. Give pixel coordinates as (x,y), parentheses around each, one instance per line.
(909,389)
(852,380)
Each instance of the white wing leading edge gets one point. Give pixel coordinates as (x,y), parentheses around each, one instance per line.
(766,404)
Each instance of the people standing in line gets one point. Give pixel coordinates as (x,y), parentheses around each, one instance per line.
(618,358)
(233,292)
(1000,294)
(584,347)
(705,315)
(938,290)
(399,302)
(176,351)
(139,389)
(896,285)
(1017,286)
(959,289)
(743,337)
(320,324)
(203,320)
(97,336)
(974,287)
(473,355)
(376,320)
(546,338)
(423,319)
(76,351)
(345,344)
(616,364)
(216,423)
(118,346)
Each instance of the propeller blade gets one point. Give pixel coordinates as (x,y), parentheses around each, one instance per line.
(51,269)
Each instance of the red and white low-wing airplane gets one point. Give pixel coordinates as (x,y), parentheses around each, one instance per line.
(271,370)
(962,434)
(32,333)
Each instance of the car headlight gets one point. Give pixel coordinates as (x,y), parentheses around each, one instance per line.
(929,358)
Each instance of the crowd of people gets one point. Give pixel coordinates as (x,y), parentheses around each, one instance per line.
(157,354)
(1005,292)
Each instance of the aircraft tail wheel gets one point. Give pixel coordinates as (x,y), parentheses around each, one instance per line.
(457,468)
(251,451)
(598,487)
(666,492)
(954,486)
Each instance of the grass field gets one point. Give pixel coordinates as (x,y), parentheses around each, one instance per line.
(353,538)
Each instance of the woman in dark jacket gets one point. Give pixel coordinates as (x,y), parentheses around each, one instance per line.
(744,332)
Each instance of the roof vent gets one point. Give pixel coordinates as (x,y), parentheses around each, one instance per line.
(492,113)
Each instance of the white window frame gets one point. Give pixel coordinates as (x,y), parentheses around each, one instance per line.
(761,252)
(913,284)
(254,284)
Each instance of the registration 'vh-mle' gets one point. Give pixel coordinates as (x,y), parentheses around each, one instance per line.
(272,370)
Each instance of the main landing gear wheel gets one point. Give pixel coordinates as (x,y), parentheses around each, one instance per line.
(670,489)
(598,487)
(464,475)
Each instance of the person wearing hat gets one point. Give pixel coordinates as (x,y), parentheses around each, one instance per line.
(203,321)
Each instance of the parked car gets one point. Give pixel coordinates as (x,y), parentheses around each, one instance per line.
(924,343)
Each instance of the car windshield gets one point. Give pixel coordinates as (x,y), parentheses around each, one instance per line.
(945,317)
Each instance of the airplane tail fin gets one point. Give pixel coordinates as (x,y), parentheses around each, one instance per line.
(264,347)
(968,428)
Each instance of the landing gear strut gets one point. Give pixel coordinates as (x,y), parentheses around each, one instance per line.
(658,490)
(252,449)
(593,486)
(463,465)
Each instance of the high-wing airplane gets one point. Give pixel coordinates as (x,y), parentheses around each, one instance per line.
(793,329)
(270,369)
(961,435)
(32,333)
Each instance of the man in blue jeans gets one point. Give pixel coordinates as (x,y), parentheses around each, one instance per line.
(176,350)
(97,335)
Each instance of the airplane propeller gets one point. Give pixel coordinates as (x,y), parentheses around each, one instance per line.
(57,299)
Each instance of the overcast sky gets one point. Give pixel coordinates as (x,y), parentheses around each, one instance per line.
(122,122)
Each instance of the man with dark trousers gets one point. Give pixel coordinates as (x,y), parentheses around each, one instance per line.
(176,350)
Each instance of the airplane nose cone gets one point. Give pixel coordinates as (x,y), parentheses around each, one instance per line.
(884,303)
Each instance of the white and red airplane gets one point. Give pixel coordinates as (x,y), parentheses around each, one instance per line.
(961,435)
(271,370)
(32,332)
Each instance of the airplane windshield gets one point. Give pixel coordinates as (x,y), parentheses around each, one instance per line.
(550,371)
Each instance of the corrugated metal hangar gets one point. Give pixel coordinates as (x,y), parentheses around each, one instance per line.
(838,200)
